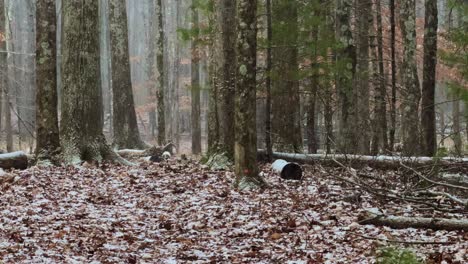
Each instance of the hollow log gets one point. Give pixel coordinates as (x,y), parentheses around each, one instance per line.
(400,222)
(358,161)
(15,160)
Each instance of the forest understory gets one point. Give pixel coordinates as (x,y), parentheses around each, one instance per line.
(179,211)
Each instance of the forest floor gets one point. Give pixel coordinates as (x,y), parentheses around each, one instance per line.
(179,211)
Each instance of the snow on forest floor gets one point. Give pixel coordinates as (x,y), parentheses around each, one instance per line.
(180,212)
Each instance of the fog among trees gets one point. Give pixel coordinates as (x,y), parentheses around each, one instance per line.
(273,101)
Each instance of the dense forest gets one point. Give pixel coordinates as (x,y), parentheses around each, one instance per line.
(233,131)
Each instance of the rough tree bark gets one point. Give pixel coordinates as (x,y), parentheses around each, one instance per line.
(7,88)
(268,143)
(195,91)
(393,66)
(381,89)
(82,124)
(3,63)
(410,91)
(47,129)
(312,140)
(160,65)
(126,133)
(345,76)
(245,103)
(286,107)
(428,115)
(226,74)
(362,117)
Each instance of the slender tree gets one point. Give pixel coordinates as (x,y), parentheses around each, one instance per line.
(456,129)
(195,91)
(269,61)
(5,22)
(47,136)
(245,103)
(126,134)
(428,117)
(3,62)
(410,91)
(81,123)
(394,71)
(160,66)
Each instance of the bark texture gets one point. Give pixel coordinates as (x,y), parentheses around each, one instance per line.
(410,92)
(16,160)
(393,66)
(125,126)
(195,91)
(345,76)
(82,124)
(361,94)
(245,100)
(160,77)
(47,129)
(286,104)
(428,115)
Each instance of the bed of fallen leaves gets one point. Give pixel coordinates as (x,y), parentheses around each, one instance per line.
(179,211)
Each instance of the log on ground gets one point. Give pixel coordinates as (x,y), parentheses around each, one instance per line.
(400,222)
(15,160)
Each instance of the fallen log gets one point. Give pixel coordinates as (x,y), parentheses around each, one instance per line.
(358,161)
(15,160)
(401,222)
(153,151)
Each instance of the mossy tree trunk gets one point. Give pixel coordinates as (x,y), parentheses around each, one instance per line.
(428,115)
(195,91)
(81,125)
(245,99)
(286,106)
(160,78)
(410,92)
(126,133)
(47,130)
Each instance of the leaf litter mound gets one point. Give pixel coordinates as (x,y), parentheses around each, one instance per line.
(181,212)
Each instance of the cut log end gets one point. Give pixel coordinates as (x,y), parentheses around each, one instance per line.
(15,160)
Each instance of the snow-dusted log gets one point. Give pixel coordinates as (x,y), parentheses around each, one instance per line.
(361,160)
(153,151)
(400,222)
(15,160)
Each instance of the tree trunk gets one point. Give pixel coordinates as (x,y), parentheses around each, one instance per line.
(428,116)
(393,65)
(245,100)
(346,73)
(362,117)
(3,64)
(456,130)
(9,81)
(410,91)
(160,83)
(381,86)
(268,143)
(226,74)
(196,56)
(286,107)
(47,129)
(82,124)
(126,133)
